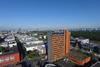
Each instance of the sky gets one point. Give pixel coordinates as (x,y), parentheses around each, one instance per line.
(49,13)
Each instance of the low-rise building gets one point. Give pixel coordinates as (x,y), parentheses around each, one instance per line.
(83,41)
(78,57)
(32,47)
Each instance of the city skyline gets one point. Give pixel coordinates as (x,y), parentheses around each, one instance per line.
(49,13)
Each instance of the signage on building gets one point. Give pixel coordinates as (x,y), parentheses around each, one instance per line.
(9,59)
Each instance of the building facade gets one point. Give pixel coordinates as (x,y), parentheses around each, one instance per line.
(9,59)
(58,45)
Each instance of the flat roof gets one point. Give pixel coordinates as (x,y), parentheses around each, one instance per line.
(78,54)
(12,51)
(62,63)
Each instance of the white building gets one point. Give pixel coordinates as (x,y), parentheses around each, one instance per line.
(4,44)
(29,39)
(32,47)
(32,43)
(12,43)
(84,41)
(10,38)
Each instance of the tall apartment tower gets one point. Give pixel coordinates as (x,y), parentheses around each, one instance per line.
(58,45)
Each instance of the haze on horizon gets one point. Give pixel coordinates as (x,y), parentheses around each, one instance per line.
(49,13)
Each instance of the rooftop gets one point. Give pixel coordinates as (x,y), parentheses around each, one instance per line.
(78,54)
(11,51)
(62,63)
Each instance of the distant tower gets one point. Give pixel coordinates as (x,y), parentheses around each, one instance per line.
(76,43)
(19,30)
(58,45)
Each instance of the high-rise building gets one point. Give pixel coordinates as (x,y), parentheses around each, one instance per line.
(58,45)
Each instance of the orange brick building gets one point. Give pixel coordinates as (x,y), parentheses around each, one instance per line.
(78,57)
(58,45)
(79,62)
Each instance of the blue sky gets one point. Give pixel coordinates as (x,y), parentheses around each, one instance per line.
(49,13)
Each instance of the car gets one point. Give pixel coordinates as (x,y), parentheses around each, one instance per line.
(50,65)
